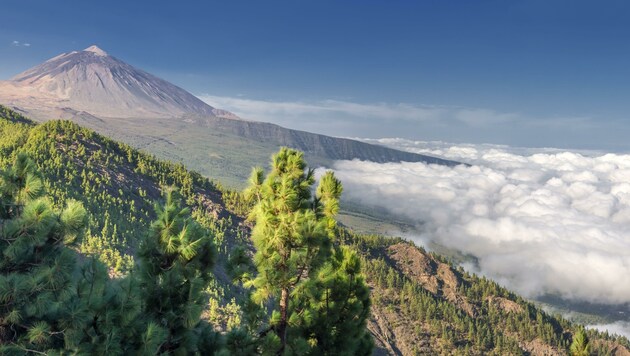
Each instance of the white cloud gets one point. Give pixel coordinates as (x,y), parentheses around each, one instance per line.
(618,327)
(271,110)
(20,44)
(338,118)
(539,221)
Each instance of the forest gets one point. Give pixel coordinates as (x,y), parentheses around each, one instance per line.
(108,250)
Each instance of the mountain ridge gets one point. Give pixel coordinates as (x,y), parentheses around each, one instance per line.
(97,90)
(318,144)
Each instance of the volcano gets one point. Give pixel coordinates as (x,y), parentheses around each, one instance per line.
(102,85)
(118,100)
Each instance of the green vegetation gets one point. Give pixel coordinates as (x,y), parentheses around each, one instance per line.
(580,345)
(175,266)
(216,153)
(436,308)
(115,183)
(37,300)
(101,298)
(50,305)
(320,303)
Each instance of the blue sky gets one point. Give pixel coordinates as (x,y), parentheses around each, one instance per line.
(530,73)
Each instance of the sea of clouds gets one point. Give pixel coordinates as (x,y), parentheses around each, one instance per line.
(539,221)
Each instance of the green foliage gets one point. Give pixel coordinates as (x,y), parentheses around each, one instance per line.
(13,116)
(293,248)
(238,203)
(176,261)
(110,320)
(13,136)
(327,200)
(115,183)
(331,309)
(37,294)
(580,345)
(105,249)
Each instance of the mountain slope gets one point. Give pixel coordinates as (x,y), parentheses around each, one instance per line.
(318,145)
(421,303)
(112,97)
(92,81)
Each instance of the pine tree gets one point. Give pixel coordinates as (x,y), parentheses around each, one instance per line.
(37,292)
(580,345)
(175,265)
(331,310)
(112,313)
(292,236)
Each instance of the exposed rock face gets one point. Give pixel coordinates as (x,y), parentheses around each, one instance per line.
(437,277)
(95,82)
(505,304)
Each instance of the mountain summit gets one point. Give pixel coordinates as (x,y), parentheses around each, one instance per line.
(102,85)
(94,49)
(97,90)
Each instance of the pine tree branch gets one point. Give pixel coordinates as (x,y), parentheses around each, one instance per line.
(29,350)
(264,332)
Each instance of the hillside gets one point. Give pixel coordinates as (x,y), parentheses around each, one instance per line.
(421,303)
(313,144)
(102,92)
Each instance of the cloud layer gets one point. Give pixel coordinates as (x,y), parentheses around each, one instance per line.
(618,327)
(408,120)
(539,222)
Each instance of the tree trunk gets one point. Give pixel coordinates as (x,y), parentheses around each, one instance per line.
(282,326)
